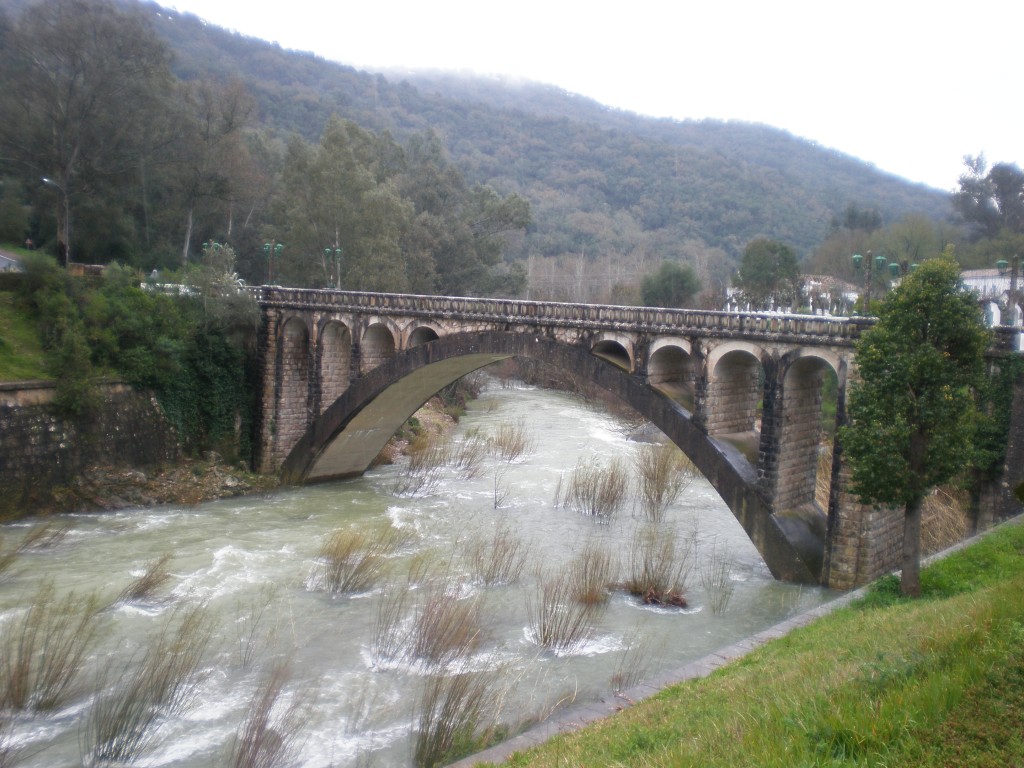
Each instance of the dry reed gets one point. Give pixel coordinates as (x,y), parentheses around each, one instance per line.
(467,456)
(145,586)
(501,491)
(632,664)
(428,457)
(716,576)
(268,736)
(511,441)
(44,536)
(558,621)
(390,637)
(499,558)
(823,475)
(659,565)
(663,472)
(249,634)
(945,519)
(596,489)
(43,650)
(591,572)
(451,710)
(123,722)
(446,625)
(354,560)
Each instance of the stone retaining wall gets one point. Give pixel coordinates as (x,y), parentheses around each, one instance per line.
(41,450)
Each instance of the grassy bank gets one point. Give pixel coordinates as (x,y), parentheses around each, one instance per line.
(21,350)
(933,682)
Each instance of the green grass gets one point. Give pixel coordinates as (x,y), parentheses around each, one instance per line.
(21,353)
(930,682)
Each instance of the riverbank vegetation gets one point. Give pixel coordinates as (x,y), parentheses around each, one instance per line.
(947,688)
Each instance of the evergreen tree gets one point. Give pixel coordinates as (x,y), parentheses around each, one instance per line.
(913,410)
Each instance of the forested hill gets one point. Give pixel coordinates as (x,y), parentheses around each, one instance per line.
(599,181)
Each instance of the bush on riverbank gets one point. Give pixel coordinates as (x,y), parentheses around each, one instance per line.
(946,688)
(193,351)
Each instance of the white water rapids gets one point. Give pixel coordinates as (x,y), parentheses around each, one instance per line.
(253,562)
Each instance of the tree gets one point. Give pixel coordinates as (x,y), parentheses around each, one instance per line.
(769,276)
(991,200)
(913,411)
(672,285)
(84,83)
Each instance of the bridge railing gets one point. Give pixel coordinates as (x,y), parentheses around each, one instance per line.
(543,313)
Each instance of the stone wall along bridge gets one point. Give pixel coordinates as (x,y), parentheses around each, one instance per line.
(739,393)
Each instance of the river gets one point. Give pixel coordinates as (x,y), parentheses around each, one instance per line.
(253,563)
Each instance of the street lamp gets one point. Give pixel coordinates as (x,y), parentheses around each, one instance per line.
(63,228)
(871,265)
(333,256)
(273,250)
(1012,296)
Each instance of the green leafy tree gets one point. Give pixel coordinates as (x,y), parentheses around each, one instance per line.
(769,275)
(913,410)
(672,285)
(991,200)
(85,84)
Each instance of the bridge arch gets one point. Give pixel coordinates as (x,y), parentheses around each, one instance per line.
(351,432)
(421,335)
(736,382)
(335,359)
(378,345)
(616,348)
(671,369)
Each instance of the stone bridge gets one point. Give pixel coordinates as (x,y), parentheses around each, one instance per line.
(740,393)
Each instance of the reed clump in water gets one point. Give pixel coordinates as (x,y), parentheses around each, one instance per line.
(354,560)
(662,473)
(467,456)
(44,649)
(558,621)
(429,455)
(452,709)
(498,559)
(144,588)
(591,572)
(447,626)
(511,441)
(595,489)
(716,576)
(658,565)
(123,722)
(269,734)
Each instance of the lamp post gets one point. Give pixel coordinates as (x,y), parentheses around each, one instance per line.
(1012,295)
(63,227)
(333,256)
(272,250)
(871,265)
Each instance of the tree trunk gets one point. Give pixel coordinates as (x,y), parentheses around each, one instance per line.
(910,579)
(188,239)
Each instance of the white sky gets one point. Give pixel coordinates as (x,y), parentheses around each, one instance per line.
(906,85)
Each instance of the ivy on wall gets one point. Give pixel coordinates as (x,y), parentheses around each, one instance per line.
(192,350)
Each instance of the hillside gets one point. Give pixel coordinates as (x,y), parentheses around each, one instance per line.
(603,184)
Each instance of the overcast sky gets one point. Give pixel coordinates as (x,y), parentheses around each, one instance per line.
(908,86)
